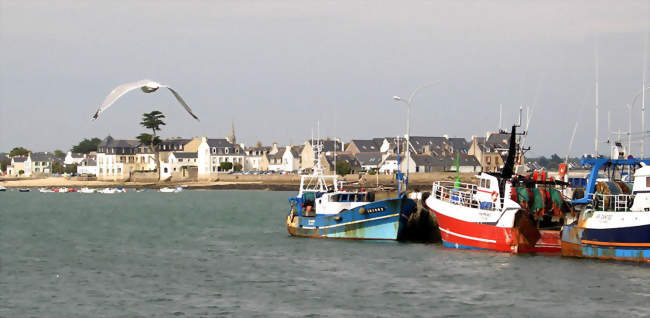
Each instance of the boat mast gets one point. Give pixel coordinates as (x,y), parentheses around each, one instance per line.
(645,66)
(596,99)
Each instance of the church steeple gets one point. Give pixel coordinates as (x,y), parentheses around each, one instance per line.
(232,138)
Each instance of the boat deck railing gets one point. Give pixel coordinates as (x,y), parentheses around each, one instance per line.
(612,202)
(461,194)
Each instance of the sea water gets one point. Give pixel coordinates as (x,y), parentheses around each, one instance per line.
(227,253)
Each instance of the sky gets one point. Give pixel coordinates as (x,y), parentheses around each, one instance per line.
(278,69)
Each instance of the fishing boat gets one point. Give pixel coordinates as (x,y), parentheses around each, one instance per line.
(3,189)
(324,209)
(23,190)
(614,220)
(61,190)
(45,190)
(503,212)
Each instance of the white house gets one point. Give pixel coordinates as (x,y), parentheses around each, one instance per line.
(73,158)
(88,166)
(389,165)
(213,152)
(177,162)
(291,159)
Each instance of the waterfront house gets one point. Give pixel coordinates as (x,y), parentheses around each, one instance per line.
(467,163)
(87,166)
(389,164)
(180,165)
(17,166)
(291,159)
(272,161)
(213,152)
(40,163)
(116,158)
(308,153)
(368,160)
(72,158)
(340,158)
(362,145)
(491,151)
(424,163)
(254,157)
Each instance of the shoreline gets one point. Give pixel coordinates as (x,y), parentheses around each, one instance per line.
(228,182)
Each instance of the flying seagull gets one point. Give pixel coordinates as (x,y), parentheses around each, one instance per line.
(147,86)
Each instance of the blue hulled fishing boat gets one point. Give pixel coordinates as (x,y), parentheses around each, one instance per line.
(615,220)
(323,209)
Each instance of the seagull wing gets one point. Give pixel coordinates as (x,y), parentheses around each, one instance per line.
(180,100)
(116,93)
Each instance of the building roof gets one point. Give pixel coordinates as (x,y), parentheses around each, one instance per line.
(428,160)
(277,155)
(394,157)
(76,155)
(19,159)
(187,155)
(368,158)
(110,142)
(42,156)
(328,145)
(465,160)
(343,157)
(219,143)
(369,145)
(498,140)
(458,144)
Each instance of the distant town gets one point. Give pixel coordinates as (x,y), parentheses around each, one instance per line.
(203,158)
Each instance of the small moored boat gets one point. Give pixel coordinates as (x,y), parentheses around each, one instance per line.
(87,190)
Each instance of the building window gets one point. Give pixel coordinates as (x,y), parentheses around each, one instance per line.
(226,150)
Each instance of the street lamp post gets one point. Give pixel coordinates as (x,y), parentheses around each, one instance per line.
(642,94)
(408,123)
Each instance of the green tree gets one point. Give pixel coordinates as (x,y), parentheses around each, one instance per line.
(343,168)
(237,167)
(87,145)
(21,172)
(4,163)
(153,121)
(59,154)
(71,168)
(19,151)
(57,167)
(225,166)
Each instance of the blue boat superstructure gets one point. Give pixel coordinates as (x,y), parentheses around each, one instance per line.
(614,226)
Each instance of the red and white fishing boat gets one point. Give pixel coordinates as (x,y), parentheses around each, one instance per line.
(488,216)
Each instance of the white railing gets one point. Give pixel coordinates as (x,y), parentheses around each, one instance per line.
(612,202)
(462,194)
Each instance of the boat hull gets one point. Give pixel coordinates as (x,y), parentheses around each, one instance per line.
(619,243)
(456,233)
(381,220)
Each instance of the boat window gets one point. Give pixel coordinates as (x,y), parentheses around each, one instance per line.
(487,183)
(647,182)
